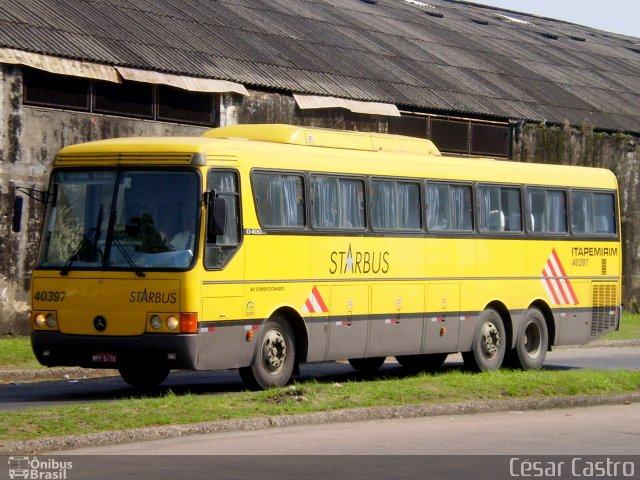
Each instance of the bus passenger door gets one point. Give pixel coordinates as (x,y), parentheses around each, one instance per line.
(221,342)
(443,318)
(349,321)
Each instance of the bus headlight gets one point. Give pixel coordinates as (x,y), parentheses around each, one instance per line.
(40,320)
(172,323)
(156,322)
(51,320)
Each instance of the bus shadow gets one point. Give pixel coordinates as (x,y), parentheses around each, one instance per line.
(23,395)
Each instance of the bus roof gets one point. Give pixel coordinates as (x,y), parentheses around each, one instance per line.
(320,137)
(282,146)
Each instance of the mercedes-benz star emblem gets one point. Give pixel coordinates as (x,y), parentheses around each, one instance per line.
(100,323)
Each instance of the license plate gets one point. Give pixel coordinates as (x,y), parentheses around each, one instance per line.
(104,357)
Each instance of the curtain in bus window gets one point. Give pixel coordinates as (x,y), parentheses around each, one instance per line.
(461,212)
(537,206)
(492,217)
(351,204)
(438,203)
(510,208)
(293,205)
(556,212)
(409,202)
(581,212)
(324,194)
(383,205)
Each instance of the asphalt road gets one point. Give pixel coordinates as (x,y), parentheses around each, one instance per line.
(601,430)
(18,395)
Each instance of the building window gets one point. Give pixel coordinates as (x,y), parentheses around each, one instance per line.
(468,137)
(130,99)
(450,135)
(176,105)
(127,99)
(57,91)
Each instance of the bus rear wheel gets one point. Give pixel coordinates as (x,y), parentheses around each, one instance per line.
(427,362)
(367,365)
(489,344)
(531,343)
(275,357)
(144,374)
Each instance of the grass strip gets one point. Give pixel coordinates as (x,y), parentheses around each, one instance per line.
(310,396)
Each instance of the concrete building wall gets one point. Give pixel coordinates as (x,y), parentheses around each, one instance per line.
(30,137)
(617,152)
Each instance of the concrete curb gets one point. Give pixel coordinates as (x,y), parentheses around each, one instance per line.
(52,374)
(40,446)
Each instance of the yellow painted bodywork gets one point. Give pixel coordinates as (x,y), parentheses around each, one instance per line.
(387,275)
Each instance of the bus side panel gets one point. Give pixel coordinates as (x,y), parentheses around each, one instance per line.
(573,321)
(443,318)
(397,321)
(349,321)
(318,329)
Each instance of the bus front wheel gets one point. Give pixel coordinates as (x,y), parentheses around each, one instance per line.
(489,343)
(144,374)
(429,362)
(367,365)
(275,357)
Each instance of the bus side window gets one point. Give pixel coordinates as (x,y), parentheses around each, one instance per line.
(279,199)
(449,207)
(338,202)
(593,213)
(547,211)
(395,205)
(604,212)
(500,209)
(226,186)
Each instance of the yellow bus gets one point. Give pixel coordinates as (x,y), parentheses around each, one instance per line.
(261,247)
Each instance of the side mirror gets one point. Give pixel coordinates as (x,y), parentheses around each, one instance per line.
(17,214)
(216,216)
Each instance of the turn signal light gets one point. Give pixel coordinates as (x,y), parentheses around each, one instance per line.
(188,322)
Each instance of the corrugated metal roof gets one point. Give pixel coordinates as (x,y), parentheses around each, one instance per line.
(472,59)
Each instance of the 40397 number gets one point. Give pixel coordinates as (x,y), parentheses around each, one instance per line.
(49,296)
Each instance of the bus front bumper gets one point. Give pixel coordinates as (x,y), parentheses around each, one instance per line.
(54,349)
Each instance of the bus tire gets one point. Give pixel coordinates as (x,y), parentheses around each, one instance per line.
(429,362)
(367,365)
(531,342)
(489,343)
(144,374)
(275,357)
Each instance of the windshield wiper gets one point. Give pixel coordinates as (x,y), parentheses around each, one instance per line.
(89,240)
(138,270)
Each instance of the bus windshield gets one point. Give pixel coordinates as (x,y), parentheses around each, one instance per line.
(121,219)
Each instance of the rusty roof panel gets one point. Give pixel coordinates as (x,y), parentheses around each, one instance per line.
(470,59)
